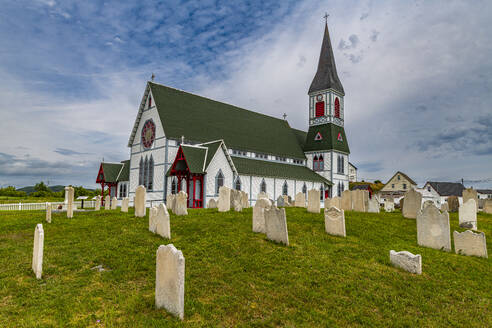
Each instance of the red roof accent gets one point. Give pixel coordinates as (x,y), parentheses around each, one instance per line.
(100,175)
(179,157)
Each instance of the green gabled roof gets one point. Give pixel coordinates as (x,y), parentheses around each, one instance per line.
(261,168)
(301,136)
(111,171)
(200,119)
(212,149)
(329,133)
(195,157)
(124,174)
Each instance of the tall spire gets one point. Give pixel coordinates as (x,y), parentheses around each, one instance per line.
(326,77)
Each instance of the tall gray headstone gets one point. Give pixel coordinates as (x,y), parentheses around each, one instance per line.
(153,219)
(487,206)
(412,204)
(471,193)
(373,205)
(48,212)
(276,225)
(470,243)
(406,261)
(347,200)
(280,201)
(244,199)
(37,254)
(467,214)
(69,194)
(224,204)
(259,214)
(170,280)
(139,202)
(313,203)
(433,228)
(300,200)
(335,222)
(162,222)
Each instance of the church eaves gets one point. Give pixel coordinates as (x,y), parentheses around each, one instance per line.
(326,76)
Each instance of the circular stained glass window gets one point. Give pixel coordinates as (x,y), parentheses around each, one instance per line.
(148,133)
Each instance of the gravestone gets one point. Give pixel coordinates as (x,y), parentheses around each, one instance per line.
(244,200)
(300,200)
(444,207)
(313,205)
(124,204)
(162,222)
(401,202)
(389,205)
(470,243)
(433,228)
(359,200)
(453,203)
(467,214)
(48,212)
(346,203)
(212,203)
(412,204)
(97,206)
(406,261)
(259,214)
(181,203)
(487,206)
(333,202)
(114,203)
(236,200)
(280,201)
(170,280)
(287,200)
(276,225)
(139,201)
(69,194)
(470,193)
(152,218)
(263,195)
(335,222)
(224,204)
(170,201)
(481,202)
(373,205)
(37,254)
(107,202)
(427,203)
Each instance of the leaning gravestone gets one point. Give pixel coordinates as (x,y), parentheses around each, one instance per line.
(373,205)
(124,204)
(37,254)
(444,207)
(313,205)
(170,201)
(346,203)
(259,214)
(114,203)
(406,261)
(412,204)
(224,204)
(487,206)
(170,280)
(276,225)
(467,214)
(300,200)
(470,193)
(470,243)
(335,222)
(453,203)
(433,228)
(107,202)
(69,194)
(139,201)
(389,205)
(212,203)
(162,222)
(48,212)
(280,201)
(244,199)
(180,205)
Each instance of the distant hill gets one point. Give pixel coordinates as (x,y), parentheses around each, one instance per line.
(30,189)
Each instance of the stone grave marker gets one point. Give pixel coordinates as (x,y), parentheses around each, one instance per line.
(244,199)
(37,254)
(152,219)
(333,202)
(97,206)
(139,201)
(487,206)
(162,222)
(48,212)
(373,205)
(470,243)
(212,203)
(124,204)
(444,207)
(170,201)
(433,228)
(335,222)
(170,280)
(259,214)
(114,203)
(412,204)
(406,261)
(471,193)
(276,225)
(467,214)
(389,205)
(69,194)
(359,200)
(313,204)
(300,200)
(280,201)
(427,203)
(224,204)
(453,203)
(346,203)
(263,195)
(181,203)
(107,202)
(481,202)
(236,200)
(287,200)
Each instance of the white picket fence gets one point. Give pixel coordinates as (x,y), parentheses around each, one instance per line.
(42,206)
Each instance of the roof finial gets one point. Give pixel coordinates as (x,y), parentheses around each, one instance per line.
(182,139)
(285,116)
(152,77)
(326,18)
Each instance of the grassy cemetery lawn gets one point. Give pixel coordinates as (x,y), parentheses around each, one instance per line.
(235,277)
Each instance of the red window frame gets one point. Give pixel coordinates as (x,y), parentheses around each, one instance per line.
(320,109)
(337,107)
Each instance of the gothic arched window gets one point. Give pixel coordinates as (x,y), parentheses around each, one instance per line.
(321,192)
(337,107)
(150,178)
(140,172)
(150,101)
(237,185)
(304,189)
(263,186)
(321,163)
(219,181)
(174,186)
(146,172)
(315,163)
(285,188)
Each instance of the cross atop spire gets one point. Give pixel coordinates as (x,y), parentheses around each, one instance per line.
(326,18)
(284,116)
(152,77)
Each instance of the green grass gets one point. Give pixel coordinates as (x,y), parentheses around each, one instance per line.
(235,277)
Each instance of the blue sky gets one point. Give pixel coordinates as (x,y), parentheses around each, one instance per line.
(417,76)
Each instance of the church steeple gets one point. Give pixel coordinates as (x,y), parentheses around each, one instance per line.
(326,76)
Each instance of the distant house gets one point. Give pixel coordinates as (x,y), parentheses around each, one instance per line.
(352,173)
(484,193)
(440,191)
(364,187)
(397,186)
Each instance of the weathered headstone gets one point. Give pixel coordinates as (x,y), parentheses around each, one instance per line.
(346,203)
(69,194)
(276,225)
(313,204)
(427,203)
(280,201)
(170,202)
(162,222)
(48,212)
(97,206)
(373,205)
(433,228)
(124,204)
(114,203)
(481,202)
(389,205)
(467,214)
(170,280)
(212,203)
(287,200)
(37,254)
(406,261)
(359,200)
(262,195)
(236,200)
(181,203)
(335,221)
(244,200)
(333,202)
(412,204)
(259,214)
(401,202)
(453,203)
(444,207)
(152,219)
(487,206)
(224,204)
(300,200)
(139,201)
(470,243)
(107,202)
(471,193)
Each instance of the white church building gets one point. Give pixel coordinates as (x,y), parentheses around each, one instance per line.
(182,141)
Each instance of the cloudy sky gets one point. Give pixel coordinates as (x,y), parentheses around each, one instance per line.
(417,77)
